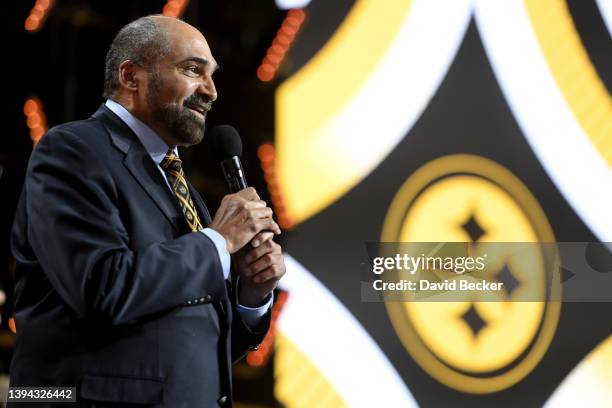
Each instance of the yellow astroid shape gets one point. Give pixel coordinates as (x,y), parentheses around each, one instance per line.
(298,382)
(476,346)
(312,170)
(575,75)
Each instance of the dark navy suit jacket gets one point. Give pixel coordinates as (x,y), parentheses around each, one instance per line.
(113,294)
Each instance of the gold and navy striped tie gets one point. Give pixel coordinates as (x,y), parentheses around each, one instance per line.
(172,166)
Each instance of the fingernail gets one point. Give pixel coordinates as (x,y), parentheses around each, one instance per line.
(255,243)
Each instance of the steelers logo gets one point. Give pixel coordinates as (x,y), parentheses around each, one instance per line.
(472,345)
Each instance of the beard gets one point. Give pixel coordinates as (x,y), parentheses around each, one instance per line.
(184,125)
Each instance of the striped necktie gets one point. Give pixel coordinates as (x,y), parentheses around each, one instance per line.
(174,172)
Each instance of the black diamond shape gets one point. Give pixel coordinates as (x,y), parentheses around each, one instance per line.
(473,229)
(473,320)
(506,277)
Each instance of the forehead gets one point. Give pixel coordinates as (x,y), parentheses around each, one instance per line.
(187,43)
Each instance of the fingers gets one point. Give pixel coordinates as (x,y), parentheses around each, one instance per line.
(261,238)
(255,204)
(260,270)
(267,247)
(257,218)
(273,272)
(262,258)
(258,212)
(271,225)
(249,194)
(255,221)
(242,218)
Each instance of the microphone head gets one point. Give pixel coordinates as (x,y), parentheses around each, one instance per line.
(224,142)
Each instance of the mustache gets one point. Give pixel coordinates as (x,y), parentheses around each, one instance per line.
(198,100)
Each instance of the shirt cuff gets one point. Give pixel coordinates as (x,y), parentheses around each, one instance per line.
(221,245)
(251,316)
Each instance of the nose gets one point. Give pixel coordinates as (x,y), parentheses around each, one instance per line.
(207,87)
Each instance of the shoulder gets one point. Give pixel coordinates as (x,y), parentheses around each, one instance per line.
(73,153)
(78,144)
(88,132)
(87,138)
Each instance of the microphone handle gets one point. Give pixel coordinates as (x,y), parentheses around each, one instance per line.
(234,174)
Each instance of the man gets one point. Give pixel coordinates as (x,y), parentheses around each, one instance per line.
(123,284)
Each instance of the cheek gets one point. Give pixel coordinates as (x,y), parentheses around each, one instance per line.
(188,88)
(169,98)
(172,91)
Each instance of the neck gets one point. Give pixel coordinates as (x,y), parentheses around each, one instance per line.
(145,117)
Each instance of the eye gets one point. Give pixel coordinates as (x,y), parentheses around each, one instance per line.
(193,70)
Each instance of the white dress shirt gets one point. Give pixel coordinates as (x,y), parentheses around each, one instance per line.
(157,149)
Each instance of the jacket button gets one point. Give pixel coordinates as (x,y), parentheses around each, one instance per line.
(189,302)
(223,401)
(196,301)
(208,298)
(203,300)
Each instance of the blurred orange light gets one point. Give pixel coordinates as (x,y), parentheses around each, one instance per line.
(288,30)
(265,72)
(36,134)
(174,8)
(267,167)
(275,196)
(255,359)
(281,43)
(268,67)
(264,76)
(275,59)
(11,324)
(38,14)
(282,39)
(267,157)
(261,356)
(29,107)
(31,23)
(297,13)
(285,222)
(293,22)
(35,118)
(277,49)
(265,152)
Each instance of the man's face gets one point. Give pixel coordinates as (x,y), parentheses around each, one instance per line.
(181,90)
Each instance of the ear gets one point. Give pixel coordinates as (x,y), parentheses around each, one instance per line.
(129,75)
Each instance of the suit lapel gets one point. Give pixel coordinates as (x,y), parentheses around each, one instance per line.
(146,173)
(140,165)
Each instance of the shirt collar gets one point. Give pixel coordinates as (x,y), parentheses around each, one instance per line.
(154,145)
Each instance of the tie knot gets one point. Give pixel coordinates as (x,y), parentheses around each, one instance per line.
(171,162)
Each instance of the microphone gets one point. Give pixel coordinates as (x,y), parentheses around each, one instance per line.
(226,146)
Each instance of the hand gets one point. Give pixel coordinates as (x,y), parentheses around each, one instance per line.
(259,269)
(240,217)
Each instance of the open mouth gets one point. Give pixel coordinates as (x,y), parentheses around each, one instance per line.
(198,110)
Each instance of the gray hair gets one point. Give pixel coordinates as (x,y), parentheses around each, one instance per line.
(142,41)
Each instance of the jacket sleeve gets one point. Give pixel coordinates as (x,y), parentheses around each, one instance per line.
(77,234)
(245,338)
